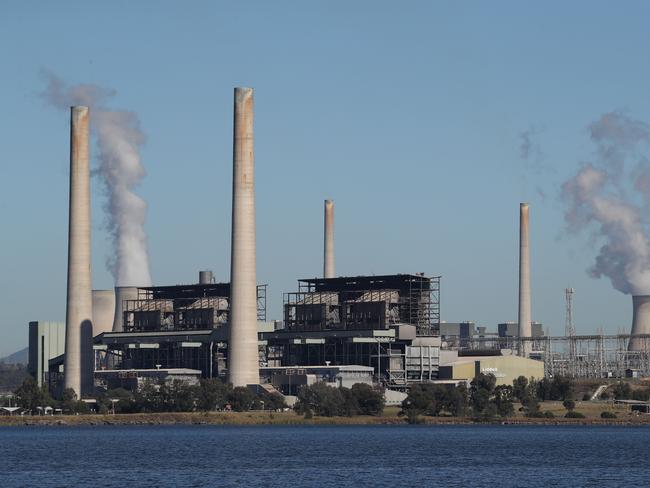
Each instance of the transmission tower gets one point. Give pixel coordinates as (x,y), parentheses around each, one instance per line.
(570,332)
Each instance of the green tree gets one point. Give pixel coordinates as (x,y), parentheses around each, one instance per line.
(320,399)
(562,388)
(370,400)
(503,398)
(29,395)
(457,400)
(274,401)
(241,399)
(350,405)
(69,402)
(481,395)
(212,394)
(426,399)
(519,386)
(622,390)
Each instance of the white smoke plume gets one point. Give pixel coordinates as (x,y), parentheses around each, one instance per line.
(119,138)
(610,198)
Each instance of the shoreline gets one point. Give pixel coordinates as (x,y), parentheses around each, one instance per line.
(288,418)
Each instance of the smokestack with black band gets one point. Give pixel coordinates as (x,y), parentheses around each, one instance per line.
(524,281)
(328,258)
(79,329)
(243,357)
(640,323)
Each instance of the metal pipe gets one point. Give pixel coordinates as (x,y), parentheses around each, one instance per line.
(328,258)
(524,281)
(243,356)
(78,362)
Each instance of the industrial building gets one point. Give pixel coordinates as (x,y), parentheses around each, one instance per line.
(387,322)
(373,324)
(288,380)
(174,327)
(503,364)
(46,341)
(384,328)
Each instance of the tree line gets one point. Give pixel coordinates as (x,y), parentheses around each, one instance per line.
(485,400)
(152,397)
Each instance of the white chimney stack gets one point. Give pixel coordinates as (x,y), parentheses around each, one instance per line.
(243,356)
(79,367)
(524,281)
(328,258)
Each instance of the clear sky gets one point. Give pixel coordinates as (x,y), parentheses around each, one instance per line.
(408,114)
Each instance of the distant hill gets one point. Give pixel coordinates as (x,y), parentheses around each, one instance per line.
(19,357)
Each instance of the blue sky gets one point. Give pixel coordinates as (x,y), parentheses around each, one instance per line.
(408,114)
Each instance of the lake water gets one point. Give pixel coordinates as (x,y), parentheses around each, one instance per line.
(328,456)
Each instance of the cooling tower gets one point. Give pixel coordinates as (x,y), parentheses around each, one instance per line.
(103,311)
(640,323)
(524,281)
(78,319)
(205,277)
(122,293)
(243,357)
(328,254)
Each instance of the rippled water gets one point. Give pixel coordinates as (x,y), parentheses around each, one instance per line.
(328,456)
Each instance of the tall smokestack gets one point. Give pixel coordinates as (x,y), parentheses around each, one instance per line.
(524,281)
(328,259)
(243,357)
(640,322)
(78,320)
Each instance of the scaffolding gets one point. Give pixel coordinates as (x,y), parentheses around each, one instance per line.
(365,302)
(183,307)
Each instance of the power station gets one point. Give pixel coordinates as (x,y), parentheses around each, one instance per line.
(381,328)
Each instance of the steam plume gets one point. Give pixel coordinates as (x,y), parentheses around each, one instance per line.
(119,139)
(610,198)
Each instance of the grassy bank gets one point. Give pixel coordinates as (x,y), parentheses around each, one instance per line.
(591,410)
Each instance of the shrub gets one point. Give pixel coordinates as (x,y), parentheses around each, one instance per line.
(549,415)
(607,415)
(586,397)
(413,418)
(570,405)
(572,414)
(535,414)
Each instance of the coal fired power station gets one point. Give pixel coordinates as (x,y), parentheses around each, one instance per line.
(382,329)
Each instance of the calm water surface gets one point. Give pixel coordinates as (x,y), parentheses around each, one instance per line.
(328,456)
